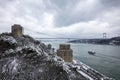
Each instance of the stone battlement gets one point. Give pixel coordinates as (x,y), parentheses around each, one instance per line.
(64,46)
(65,52)
(17,30)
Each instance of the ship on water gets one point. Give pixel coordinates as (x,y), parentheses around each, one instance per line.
(92,52)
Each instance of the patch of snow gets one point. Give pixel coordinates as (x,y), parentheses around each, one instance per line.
(85,75)
(18,49)
(46,53)
(74,61)
(59,59)
(8,39)
(85,67)
(13,65)
(75,66)
(4,68)
(40,70)
(9,51)
(66,67)
(55,59)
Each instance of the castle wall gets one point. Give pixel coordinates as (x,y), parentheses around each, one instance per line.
(65,52)
(17,30)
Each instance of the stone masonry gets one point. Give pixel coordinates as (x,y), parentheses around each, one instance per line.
(17,30)
(65,52)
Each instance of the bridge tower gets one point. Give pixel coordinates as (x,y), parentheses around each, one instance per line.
(104,35)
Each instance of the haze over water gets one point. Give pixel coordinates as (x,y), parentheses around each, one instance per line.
(106,60)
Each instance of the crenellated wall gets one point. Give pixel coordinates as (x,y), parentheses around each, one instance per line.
(65,52)
(17,30)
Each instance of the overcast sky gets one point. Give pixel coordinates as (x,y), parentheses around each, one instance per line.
(62,18)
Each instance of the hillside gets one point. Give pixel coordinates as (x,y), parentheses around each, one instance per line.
(108,41)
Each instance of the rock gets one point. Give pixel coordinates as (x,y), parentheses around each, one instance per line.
(7,42)
(23,58)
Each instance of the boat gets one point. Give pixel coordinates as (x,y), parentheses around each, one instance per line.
(92,52)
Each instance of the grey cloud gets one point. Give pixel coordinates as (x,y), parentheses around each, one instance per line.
(4,2)
(63,11)
(39,33)
(111,3)
(66,18)
(65,14)
(62,4)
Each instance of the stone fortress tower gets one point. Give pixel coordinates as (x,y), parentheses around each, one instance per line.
(65,52)
(17,30)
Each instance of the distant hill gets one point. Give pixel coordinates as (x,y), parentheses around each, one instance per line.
(111,41)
